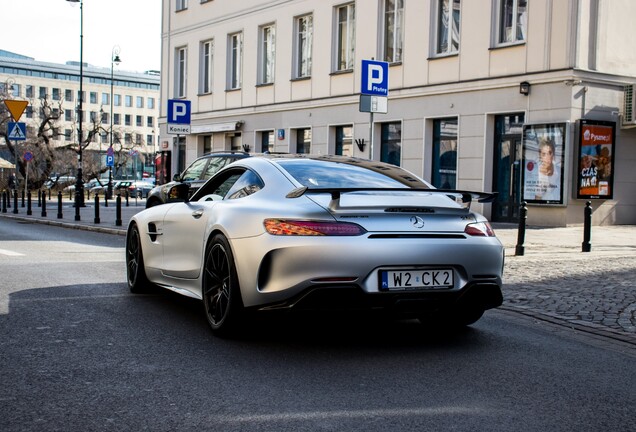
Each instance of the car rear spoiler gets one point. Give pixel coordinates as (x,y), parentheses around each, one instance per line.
(466,196)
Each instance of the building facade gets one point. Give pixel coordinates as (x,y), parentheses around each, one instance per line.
(133,120)
(528,98)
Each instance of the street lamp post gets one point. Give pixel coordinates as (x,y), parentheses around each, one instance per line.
(79,184)
(114,60)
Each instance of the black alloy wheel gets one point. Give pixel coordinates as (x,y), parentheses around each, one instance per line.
(137,279)
(221,293)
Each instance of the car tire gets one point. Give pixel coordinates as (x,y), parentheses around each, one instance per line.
(221,292)
(138,282)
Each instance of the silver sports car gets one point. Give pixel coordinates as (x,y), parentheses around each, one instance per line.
(319,232)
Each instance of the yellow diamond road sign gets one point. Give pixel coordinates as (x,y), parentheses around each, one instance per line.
(16,108)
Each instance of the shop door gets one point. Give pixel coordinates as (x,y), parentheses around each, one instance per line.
(507,168)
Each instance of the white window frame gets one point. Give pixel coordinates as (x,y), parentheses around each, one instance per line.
(266,54)
(206,61)
(303,41)
(519,23)
(235,60)
(344,37)
(446,28)
(396,37)
(180,72)
(181,5)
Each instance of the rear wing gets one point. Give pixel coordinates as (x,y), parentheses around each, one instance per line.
(463,197)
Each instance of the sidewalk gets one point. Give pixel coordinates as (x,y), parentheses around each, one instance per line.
(552,281)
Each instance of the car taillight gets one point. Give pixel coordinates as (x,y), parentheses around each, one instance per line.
(479,229)
(311,228)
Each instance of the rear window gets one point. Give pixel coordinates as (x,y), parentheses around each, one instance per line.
(368,174)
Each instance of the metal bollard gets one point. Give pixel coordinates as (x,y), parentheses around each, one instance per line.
(29,212)
(521,233)
(9,198)
(127,204)
(106,199)
(22,193)
(40,196)
(15,202)
(118,210)
(59,205)
(586,246)
(4,201)
(96,220)
(43,213)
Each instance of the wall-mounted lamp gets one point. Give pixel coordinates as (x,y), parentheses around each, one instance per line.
(360,144)
(524,88)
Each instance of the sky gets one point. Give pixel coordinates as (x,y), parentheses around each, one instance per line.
(49,30)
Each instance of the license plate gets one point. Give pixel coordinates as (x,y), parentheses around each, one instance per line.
(416,279)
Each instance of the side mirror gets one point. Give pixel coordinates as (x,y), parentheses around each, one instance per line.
(179,192)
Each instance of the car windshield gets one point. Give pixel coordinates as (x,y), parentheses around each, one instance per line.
(355,173)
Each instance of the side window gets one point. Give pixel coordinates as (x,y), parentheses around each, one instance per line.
(193,172)
(247,184)
(215,165)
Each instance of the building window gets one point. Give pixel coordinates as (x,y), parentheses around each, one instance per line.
(116,119)
(393,30)
(181,5)
(128,138)
(104,118)
(303,141)
(128,101)
(445,153)
(139,121)
(150,121)
(512,21)
(138,139)
(448,18)
(267,50)
(127,120)
(105,98)
(15,90)
(68,115)
(139,101)
(117,100)
(344,140)
(151,103)
(29,91)
(180,72)
(68,134)
(29,111)
(150,140)
(235,48)
(207,144)
(81,96)
(55,94)
(205,64)
(391,143)
(43,92)
(93,96)
(302,46)
(104,137)
(345,37)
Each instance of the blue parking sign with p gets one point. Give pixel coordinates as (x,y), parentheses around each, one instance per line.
(375,78)
(178,111)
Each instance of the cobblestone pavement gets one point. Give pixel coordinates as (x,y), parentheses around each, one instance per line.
(590,291)
(553,281)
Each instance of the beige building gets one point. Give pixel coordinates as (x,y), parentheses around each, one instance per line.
(477,89)
(135,105)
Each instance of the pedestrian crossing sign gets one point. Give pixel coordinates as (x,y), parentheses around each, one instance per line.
(17,131)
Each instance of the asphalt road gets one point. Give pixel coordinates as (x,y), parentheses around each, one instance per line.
(79,352)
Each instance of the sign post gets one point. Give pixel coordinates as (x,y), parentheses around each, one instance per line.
(16,131)
(374,92)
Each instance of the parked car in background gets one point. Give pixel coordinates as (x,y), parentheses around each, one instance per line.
(141,188)
(194,175)
(302,232)
(120,186)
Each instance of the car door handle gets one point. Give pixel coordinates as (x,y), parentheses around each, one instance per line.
(197,213)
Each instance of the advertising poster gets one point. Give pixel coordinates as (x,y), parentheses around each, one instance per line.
(543,153)
(596,158)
